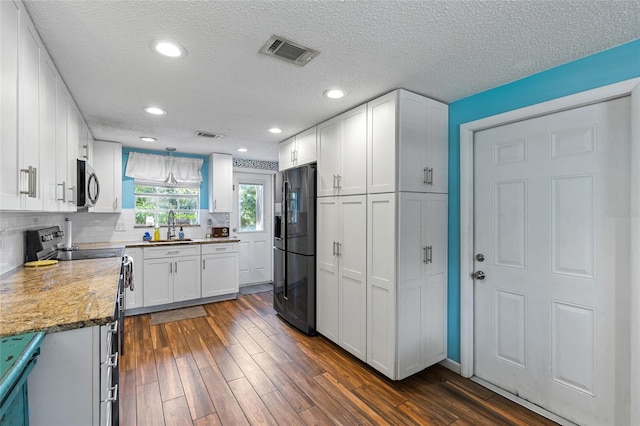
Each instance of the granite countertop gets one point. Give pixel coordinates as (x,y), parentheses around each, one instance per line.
(72,294)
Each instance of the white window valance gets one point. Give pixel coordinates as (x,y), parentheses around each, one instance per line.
(152,169)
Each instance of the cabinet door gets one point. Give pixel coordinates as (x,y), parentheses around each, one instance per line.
(437,156)
(220,274)
(306,147)
(412,278)
(73,136)
(286,151)
(352,255)
(158,282)
(435,310)
(327,220)
(9,146)
(29,107)
(329,156)
(186,278)
(381,144)
(48,174)
(352,176)
(134,298)
(109,171)
(62,153)
(381,283)
(221,183)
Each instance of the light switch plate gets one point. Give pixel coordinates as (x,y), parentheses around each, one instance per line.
(121,226)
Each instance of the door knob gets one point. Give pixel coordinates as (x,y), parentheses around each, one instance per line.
(479,275)
(480,257)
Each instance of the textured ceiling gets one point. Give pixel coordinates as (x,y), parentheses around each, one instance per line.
(443,49)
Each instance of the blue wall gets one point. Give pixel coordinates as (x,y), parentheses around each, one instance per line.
(603,68)
(128,199)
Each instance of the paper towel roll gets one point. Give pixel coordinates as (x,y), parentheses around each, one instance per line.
(66,241)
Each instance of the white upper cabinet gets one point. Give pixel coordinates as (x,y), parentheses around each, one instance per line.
(220,183)
(29,115)
(109,172)
(298,150)
(342,154)
(48,176)
(407,144)
(9,144)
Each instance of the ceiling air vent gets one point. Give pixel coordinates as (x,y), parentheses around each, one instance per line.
(210,135)
(287,50)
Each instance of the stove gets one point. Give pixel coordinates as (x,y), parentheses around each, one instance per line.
(43,244)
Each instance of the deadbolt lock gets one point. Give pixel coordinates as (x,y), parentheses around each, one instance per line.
(480,257)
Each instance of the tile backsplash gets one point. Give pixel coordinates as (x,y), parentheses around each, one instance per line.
(86,228)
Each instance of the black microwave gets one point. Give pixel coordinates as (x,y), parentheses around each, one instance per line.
(88,185)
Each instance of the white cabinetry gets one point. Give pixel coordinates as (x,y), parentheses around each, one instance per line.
(9,143)
(406,282)
(341,272)
(64,386)
(220,269)
(342,154)
(134,298)
(407,144)
(298,150)
(171,274)
(220,183)
(109,171)
(48,164)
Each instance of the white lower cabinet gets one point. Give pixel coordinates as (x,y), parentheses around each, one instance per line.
(406,282)
(341,272)
(220,269)
(171,274)
(67,383)
(135,298)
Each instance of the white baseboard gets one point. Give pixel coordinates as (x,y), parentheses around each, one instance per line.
(451,365)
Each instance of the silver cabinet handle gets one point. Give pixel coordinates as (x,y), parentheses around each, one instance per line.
(295,155)
(334,181)
(32,178)
(173,252)
(72,199)
(112,394)
(424,176)
(333,252)
(112,360)
(429,176)
(424,255)
(429,254)
(338,249)
(115,204)
(170,268)
(176,268)
(339,181)
(204,263)
(64,192)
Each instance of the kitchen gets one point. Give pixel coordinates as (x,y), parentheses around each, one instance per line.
(94,80)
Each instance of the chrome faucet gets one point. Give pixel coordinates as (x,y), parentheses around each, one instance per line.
(171,225)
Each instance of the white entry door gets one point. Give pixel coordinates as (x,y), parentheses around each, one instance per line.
(251,222)
(551,205)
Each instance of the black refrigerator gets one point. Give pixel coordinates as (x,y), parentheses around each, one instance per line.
(294,247)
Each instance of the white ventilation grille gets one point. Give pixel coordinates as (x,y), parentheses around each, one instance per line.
(287,50)
(209,135)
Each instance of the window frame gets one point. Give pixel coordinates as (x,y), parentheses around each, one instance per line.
(157,195)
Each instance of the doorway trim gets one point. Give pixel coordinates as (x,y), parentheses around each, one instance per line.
(467,131)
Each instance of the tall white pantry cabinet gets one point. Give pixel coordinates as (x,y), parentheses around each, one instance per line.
(406,167)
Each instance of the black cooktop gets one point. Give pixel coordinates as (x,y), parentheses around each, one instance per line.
(89,253)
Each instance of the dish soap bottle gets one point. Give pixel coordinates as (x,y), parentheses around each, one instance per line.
(156,233)
(181,234)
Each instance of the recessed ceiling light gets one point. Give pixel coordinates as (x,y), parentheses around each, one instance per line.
(275,130)
(167,48)
(242,150)
(155,110)
(148,139)
(334,93)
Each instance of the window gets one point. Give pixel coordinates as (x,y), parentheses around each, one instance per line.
(251,207)
(154,202)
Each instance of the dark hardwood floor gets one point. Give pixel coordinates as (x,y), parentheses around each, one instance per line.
(242,365)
